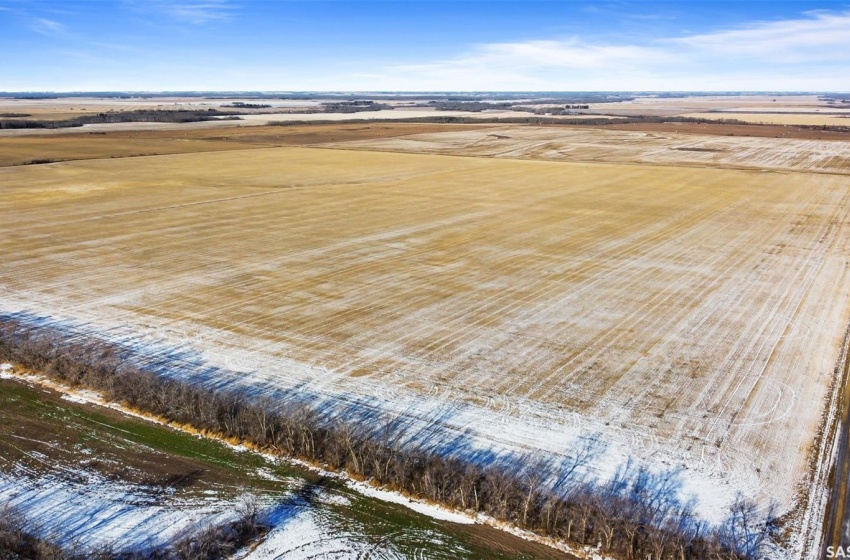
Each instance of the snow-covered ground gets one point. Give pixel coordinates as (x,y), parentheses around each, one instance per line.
(79,508)
(83,511)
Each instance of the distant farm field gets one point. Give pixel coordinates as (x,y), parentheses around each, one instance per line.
(688,318)
(628,144)
(811,118)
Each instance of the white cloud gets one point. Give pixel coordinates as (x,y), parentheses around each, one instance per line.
(821,36)
(199,13)
(811,52)
(532,65)
(46,26)
(195,12)
(565,54)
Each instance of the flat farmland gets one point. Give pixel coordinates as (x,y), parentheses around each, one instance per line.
(629,144)
(810,118)
(63,144)
(24,150)
(685,318)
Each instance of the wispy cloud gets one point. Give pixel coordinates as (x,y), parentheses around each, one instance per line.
(759,53)
(201,12)
(573,53)
(538,64)
(820,36)
(195,12)
(46,26)
(535,63)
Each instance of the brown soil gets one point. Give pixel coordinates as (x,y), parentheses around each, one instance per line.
(52,428)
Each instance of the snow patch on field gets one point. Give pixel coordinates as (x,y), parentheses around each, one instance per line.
(303,531)
(431,510)
(82,396)
(83,509)
(306,535)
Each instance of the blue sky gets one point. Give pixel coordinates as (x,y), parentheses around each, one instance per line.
(159,45)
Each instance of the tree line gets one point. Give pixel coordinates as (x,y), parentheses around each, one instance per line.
(474,106)
(140,115)
(356,106)
(637,514)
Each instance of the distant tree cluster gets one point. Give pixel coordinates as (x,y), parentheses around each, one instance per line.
(586,120)
(562,110)
(243,105)
(637,514)
(474,106)
(836,97)
(355,106)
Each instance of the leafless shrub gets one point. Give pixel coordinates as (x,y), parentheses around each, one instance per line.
(17,542)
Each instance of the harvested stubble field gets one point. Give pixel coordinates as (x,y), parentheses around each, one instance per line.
(28,150)
(687,318)
(627,145)
(46,146)
(811,118)
(669,106)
